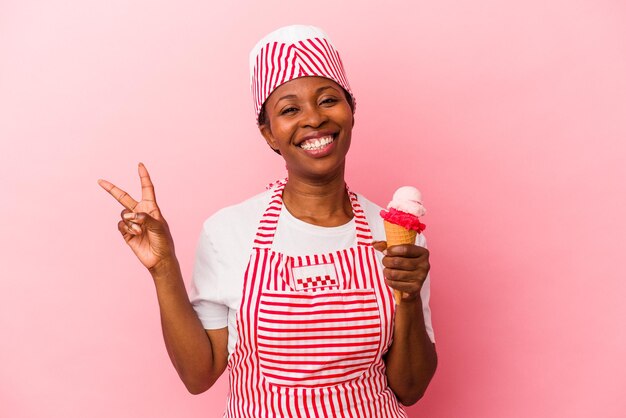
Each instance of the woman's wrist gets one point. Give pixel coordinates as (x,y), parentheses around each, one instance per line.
(410,304)
(165,269)
(408,311)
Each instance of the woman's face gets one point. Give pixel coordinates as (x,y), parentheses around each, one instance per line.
(309,120)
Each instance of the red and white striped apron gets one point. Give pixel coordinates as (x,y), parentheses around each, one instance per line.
(312,331)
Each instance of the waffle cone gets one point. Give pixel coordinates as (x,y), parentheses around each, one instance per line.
(397,235)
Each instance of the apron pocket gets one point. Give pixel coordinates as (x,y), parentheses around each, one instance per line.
(316,339)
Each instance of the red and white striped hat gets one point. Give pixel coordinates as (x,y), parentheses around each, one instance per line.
(292,52)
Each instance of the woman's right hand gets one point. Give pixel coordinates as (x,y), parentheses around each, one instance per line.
(142,226)
(200,356)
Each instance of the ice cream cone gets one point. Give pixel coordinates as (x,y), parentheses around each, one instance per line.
(401,219)
(398,235)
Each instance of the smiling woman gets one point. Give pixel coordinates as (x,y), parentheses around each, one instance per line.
(310,124)
(291,288)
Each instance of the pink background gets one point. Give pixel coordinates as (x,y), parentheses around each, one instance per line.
(510,116)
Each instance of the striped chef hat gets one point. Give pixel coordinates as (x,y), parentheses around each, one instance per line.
(292,52)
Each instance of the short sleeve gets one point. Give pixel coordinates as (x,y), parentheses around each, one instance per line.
(206,293)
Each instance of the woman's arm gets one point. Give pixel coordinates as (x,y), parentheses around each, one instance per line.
(411,360)
(199,356)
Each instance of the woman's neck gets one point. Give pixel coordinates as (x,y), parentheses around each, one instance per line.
(325,203)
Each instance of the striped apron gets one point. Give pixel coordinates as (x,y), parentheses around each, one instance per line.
(312,331)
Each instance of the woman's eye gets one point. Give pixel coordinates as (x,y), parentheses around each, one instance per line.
(288,110)
(329,100)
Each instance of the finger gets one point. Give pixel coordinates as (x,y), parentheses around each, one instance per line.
(147,188)
(405,287)
(407,250)
(119,194)
(126,232)
(140,222)
(416,276)
(402,263)
(138,218)
(132,228)
(127,216)
(380,245)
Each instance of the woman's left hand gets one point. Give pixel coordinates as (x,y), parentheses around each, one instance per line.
(406,268)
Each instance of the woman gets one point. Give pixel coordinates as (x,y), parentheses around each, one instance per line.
(289,292)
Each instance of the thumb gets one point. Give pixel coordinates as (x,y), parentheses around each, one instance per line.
(141,218)
(380,246)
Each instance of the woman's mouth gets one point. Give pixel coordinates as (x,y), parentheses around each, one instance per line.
(317,144)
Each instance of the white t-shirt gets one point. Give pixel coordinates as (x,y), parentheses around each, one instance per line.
(225,246)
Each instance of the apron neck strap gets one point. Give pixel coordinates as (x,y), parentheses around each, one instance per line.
(363,232)
(267,226)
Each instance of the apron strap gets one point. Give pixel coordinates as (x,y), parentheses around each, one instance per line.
(269,221)
(267,226)
(363,232)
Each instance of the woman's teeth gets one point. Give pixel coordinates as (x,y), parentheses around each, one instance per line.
(315,144)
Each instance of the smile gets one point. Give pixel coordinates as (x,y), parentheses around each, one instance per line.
(315,144)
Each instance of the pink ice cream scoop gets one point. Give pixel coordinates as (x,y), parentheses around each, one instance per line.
(405,208)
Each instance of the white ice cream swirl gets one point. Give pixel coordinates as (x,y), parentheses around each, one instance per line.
(409,200)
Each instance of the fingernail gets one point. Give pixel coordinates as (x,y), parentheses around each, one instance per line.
(129,215)
(135,228)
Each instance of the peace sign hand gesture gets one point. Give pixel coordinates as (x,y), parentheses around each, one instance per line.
(143,227)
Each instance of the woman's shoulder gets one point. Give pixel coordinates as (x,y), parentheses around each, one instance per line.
(372,213)
(252,205)
(239,220)
(366,204)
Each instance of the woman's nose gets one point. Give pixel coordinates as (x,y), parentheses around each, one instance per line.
(313,116)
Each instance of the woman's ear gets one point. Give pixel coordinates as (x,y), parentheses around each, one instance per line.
(269,138)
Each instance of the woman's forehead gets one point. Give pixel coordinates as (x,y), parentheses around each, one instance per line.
(303,86)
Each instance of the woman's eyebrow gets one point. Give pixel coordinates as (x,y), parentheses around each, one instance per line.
(319,90)
(288,96)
